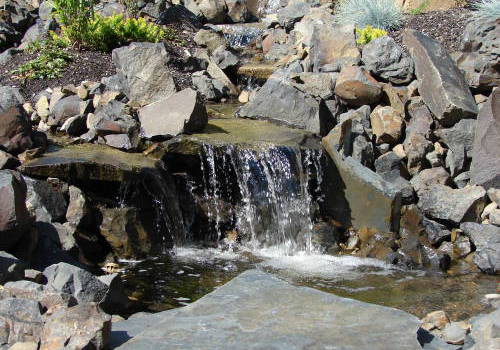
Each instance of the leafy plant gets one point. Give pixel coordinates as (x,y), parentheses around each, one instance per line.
(368,33)
(382,14)
(50,62)
(75,17)
(487,9)
(420,8)
(107,33)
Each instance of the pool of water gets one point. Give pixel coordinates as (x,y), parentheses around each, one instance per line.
(167,282)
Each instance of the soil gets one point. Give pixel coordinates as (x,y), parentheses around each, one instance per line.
(446,27)
(93,65)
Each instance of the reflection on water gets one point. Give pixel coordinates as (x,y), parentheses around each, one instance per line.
(168,282)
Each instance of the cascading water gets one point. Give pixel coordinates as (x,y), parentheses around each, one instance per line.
(273,185)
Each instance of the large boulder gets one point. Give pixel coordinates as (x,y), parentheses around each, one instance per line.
(479,57)
(384,58)
(266,308)
(367,200)
(180,113)
(280,101)
(15,220)
(15,130)
(79,327)
(442,85)
(21,319)
(9,97)
(485,167)
(486,238)
(454,205)
(143,70)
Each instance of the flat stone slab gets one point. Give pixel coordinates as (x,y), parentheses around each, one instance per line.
(256,310)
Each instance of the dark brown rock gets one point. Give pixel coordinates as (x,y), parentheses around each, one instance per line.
(15,130)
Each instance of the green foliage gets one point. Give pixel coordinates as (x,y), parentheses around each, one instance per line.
(383,14)
(368,33)
(50,62)
(75,17)
(107,33)
(486,9)
(420,8)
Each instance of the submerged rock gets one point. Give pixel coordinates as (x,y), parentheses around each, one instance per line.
(270,322)
(442,85)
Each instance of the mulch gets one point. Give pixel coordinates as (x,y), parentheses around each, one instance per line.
(444,26)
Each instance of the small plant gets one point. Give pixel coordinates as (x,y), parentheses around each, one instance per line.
(382,14)
(420,8)
(368,33)
(107,33)
(51,61)
(75,17)
(487,9)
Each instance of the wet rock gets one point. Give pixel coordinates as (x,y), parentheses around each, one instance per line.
(356,87)
(9,97)
(428,177)
(23,319)
(79,327)
(384,58)
(254,290)
(442,85)
(369,200)
(15,220)
(46,202)
(330,45)
(69,279)
(485,167)
(478,57)
(486,239)
(11,268)
(274,100)
(454,205)
(8,161)
(15,130)
(387,125)
(182,112)
(142,67)
(123,230)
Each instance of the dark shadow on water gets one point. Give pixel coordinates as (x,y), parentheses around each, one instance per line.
(118,338)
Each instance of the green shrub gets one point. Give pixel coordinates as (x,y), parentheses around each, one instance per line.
(487,9)
(420,8)
(383,14)
(368,33)
(50,62)
(75,17)
(107,33)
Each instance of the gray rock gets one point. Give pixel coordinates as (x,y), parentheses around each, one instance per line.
(65,108)
(428,177)
(292,13)
(210,39)
(182,112)
(115,300)
(486,238)
(479,52)
(225,59)
(325,319)
(8,161)
(124,142)
(214,11)
(142,67)
(365,198)
(494,195)
(15,220)
(484,330)
(278,100)
(237,11)
(362,151)
(316,84)
(6,56)
(454,205)
(442,85)
(387,60)
(209,88)
(9,97)
(24,318)
(44,201)
(391,169)
(75,126)
(66,278)
(436,232)
(485,167)
(462,179)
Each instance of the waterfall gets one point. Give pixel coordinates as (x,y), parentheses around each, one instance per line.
(271,193)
